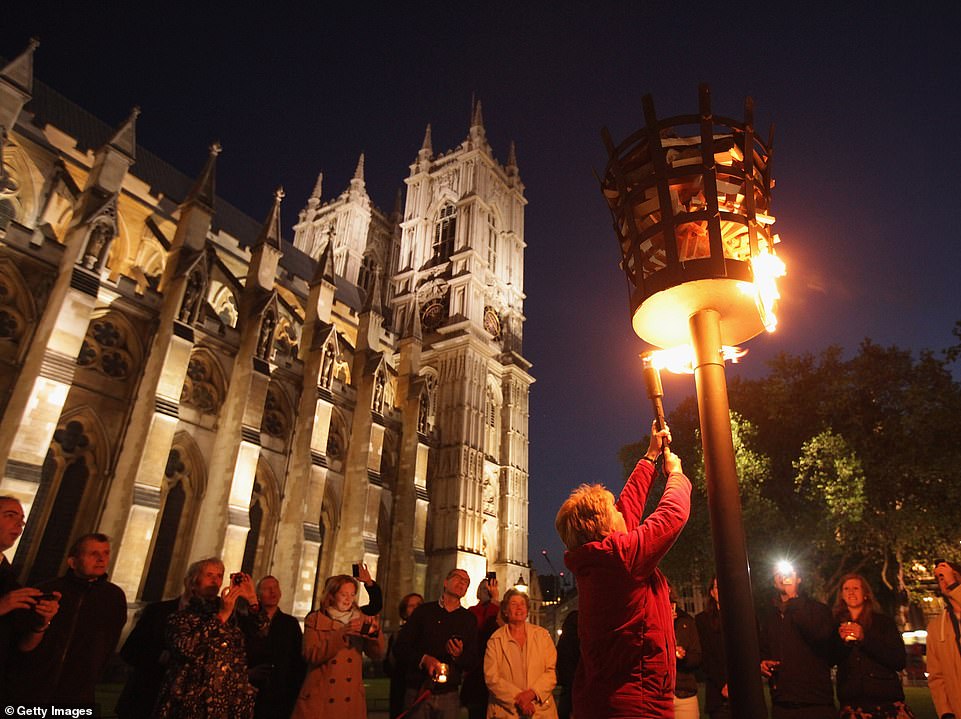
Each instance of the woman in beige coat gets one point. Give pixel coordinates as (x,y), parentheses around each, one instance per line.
(334,637)
(944,643)
(519,664)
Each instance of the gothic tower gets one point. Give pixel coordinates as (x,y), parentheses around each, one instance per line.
(460,267)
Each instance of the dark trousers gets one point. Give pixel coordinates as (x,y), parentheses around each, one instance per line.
(804,711)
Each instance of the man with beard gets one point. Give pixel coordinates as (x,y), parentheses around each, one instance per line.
(207,671)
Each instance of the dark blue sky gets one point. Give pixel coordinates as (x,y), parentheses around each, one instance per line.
(867,151)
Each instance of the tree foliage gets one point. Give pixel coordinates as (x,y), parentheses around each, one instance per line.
(844,464)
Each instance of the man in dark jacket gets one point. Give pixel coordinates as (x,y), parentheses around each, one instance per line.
(687,649)
(568,656)
(441,644)
(67,664)
(274,654)
(796,634)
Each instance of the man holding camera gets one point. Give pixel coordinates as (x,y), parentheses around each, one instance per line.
(207,670)
(16,600)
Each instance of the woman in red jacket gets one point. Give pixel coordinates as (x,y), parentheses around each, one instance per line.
(625,625)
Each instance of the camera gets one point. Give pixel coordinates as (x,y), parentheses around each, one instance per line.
(492,576)
(237,578)
(355,570)
(365,629)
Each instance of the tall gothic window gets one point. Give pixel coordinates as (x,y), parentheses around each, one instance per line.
(256,524)
(444,232)
(490,424)
(366,274)
(491,245)
(169,525)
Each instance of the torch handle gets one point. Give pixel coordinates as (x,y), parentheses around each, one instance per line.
(658,413)
(652,379)
(659,416)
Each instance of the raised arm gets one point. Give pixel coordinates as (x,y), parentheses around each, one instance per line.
(634,495)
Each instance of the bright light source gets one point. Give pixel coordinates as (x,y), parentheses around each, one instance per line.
(784,568)
(680,359)
(767,267)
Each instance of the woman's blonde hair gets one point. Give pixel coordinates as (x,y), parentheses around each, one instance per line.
(586,516)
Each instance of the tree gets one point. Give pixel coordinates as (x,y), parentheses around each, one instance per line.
(843,464)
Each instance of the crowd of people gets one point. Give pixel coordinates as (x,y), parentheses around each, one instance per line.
(224,648)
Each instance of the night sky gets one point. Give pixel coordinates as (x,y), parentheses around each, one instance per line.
(866,154)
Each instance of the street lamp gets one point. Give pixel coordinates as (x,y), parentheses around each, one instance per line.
(690,198)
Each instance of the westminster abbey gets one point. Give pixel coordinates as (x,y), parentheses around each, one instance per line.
(191,382)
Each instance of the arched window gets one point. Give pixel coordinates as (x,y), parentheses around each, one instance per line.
(444,232)
(492,423)
(167,529)
(366,274)
(253,535)
(182,486)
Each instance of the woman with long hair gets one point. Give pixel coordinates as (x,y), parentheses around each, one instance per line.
(334,638)
(519,664)
(870,653)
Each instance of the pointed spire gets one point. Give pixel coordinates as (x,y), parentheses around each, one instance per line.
(203,190)
(512,156)
(270,232)
(324,272)
(19,71)
(477,133)
(426,148)
(359,171)
(357,184)
(477,118)
(125,138)
(316,194)
(412,327)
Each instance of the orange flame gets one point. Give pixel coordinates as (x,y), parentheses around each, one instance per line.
(680,359)
(767,267)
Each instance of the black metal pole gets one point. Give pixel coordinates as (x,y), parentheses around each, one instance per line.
(738,620)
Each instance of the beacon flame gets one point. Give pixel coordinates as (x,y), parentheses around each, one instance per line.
(767,268)
(680,359)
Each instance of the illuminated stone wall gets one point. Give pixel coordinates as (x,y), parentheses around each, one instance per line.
(176,375)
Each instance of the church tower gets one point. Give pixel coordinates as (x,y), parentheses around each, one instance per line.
(461,269)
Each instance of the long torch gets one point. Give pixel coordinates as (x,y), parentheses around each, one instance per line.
(652,379)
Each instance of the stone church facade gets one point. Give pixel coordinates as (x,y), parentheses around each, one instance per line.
(185,380)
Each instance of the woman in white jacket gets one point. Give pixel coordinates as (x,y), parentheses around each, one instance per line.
(519,664)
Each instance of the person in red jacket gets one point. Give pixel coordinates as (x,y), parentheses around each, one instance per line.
(625,624)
